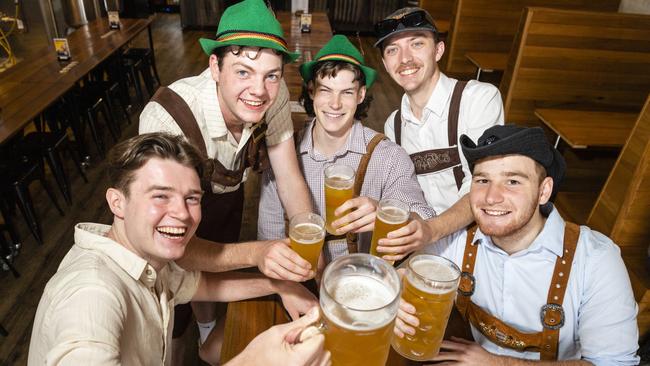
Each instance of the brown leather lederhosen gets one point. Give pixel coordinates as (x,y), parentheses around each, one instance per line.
(221,213)
(352,238)
(551,314)
(435,160)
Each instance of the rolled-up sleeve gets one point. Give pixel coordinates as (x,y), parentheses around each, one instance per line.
(278,118)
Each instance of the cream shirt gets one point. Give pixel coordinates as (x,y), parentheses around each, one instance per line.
(200,94)
(480,109)
(107,306)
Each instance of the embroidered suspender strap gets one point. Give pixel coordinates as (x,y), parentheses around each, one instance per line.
(452,127)
(467,281)
(552,314)
(397,126)
(353,238)
(181,113)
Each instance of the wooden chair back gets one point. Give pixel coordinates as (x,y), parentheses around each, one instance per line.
(491,26)
(574,59)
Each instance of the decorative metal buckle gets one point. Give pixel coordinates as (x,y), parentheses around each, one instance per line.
(464,277)
(550,324)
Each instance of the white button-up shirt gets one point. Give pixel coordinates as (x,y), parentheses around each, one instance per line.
(107,306)
(480,109)
(200,94)
(599,307)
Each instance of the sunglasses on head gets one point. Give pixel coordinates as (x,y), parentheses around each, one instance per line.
(415,19)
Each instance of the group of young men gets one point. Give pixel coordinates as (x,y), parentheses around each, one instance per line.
(176,196)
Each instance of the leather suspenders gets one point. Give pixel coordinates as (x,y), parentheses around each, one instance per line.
(551,314)
(435,160)
(256,155)
(352,238)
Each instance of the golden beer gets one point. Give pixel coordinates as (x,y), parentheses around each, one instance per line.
(339,187)
(359,309)
(392,214)
(307,240)
(430,285)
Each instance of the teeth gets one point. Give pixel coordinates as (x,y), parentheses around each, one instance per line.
(254,103)
(171,230)
(408,71)
(495,212)
(333,115)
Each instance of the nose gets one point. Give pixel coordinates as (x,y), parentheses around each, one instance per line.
(257,87)
(405,55)
(178,209)
(493,194)
(335,101)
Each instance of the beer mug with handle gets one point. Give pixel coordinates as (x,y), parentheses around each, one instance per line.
(430,285)
(359,298)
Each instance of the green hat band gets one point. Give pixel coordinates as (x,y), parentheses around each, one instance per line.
(339,56)
(233,35)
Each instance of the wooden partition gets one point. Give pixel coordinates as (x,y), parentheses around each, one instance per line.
(439,9)
(576,59)
(491,26)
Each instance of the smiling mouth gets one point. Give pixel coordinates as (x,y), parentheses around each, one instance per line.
(252,103)
(408,71)
(172,232)
(495,212)
(333,115)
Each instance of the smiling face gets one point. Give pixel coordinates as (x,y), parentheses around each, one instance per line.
(161,211)
(248,83)
(505,196)
(410,58)
(335,101)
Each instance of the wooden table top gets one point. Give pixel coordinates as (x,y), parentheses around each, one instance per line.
(581,129)
(35,83)
(488,61)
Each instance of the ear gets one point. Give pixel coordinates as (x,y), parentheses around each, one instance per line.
(362,94)
(116,201)
(214,68)
(440,50)
(310,89)
(545,190)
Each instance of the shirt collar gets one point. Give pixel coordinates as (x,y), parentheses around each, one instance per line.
(437,104)
(94,237)
(356,142)
(210,103)
(550,240)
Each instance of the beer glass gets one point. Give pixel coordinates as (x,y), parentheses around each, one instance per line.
(430,285)
(307,233)
(392,214)
(339,187)
(359,298)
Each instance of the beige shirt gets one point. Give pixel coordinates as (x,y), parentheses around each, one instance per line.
(107,306)
(200,94)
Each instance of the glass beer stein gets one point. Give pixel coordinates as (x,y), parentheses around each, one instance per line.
(430,285)
(307,233)
(359,298)
(339,187)
(392,214)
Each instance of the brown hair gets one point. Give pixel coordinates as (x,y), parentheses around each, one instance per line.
(220,52)
(330,69)
(130,155)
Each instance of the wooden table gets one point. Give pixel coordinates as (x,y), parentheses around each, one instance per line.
(581,129)
(35,83)
(487,61)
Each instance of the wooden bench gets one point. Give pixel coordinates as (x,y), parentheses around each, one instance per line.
(567,59)
(622,210)
(491,26)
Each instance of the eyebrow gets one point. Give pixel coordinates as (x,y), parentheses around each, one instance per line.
(237,63)
(515,173)
(170,189)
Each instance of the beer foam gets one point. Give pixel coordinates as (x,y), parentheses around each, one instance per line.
(339,182)
(366,299)
(307,233)
(392,215)
(434,271)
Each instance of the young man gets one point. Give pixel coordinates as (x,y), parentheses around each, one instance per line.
(549,288)
(231,112)
(435,110)
(336,82)
(112,298)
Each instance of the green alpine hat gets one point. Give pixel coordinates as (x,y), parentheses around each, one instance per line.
(339,48)
(249,23)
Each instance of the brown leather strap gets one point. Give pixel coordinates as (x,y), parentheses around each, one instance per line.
(397,123)
(551,314)
(176,106)
(452,127)
(358,183)
(435,160)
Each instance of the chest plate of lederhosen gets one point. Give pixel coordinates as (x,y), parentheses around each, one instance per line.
(435,160)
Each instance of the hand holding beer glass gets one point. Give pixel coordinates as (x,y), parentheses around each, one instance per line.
(392,214)
(359,298)
(430,285)
(339,187)
(307,233)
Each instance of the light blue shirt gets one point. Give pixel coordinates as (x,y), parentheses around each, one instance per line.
(599,306)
